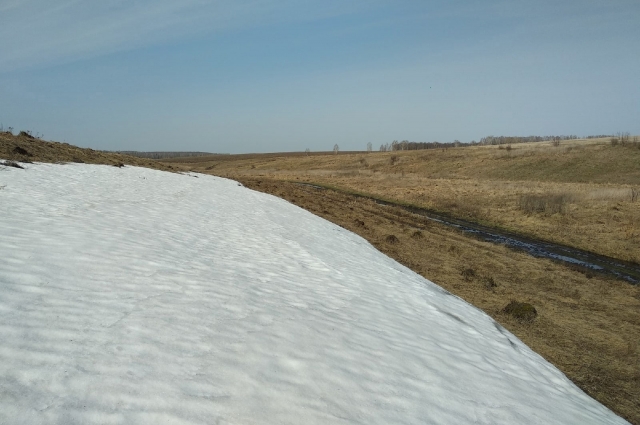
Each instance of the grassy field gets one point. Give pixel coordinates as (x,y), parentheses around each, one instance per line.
(579,194)
(582,194)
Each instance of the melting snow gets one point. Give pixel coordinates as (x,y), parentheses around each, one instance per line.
(138,296)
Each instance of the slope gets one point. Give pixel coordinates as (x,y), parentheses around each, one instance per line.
(135,296)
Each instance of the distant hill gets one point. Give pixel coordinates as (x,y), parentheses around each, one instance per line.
(164,155)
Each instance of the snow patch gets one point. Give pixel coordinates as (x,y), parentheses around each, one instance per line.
(130,295)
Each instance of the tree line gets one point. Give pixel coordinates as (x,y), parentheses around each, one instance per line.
(406,145)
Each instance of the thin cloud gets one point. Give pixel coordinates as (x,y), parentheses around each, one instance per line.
(39,32)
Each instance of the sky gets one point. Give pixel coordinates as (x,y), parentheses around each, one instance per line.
(283,75)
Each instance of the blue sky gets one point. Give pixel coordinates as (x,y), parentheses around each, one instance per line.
(266,75)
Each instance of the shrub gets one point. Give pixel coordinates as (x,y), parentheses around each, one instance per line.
(550,203)
(417,235)
(391,239)
(21,151)
(468,274)
(523,312)
(488,282)
(635,193)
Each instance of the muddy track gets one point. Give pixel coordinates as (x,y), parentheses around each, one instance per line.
(537,248)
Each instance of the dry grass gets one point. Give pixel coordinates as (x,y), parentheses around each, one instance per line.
(585,324)
(25,148)
(580,194)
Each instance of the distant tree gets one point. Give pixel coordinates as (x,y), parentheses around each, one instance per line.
(369,147)
(307,151)
(336,149)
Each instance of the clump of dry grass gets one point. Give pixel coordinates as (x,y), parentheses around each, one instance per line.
(523,312)
(468,274)
(547,203)
(392,239)
(607,194)
(488,282)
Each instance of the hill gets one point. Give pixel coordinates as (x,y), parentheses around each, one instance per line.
(26,148)
(153,297)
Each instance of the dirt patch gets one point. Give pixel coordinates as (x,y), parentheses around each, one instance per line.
(11,164)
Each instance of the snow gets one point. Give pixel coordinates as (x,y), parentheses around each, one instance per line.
(139,296)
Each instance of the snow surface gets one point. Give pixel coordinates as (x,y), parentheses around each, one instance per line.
(138,296)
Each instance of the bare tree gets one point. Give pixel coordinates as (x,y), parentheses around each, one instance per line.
(336,149)
(369,147)
(307,151)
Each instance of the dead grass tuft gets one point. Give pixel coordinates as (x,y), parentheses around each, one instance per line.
(468,274)
(523,312)
(547,203)
(392,240)
(488,282)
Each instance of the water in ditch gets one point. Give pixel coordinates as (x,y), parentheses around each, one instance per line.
(542,249)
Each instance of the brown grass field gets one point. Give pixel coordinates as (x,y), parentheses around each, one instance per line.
(579,194)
